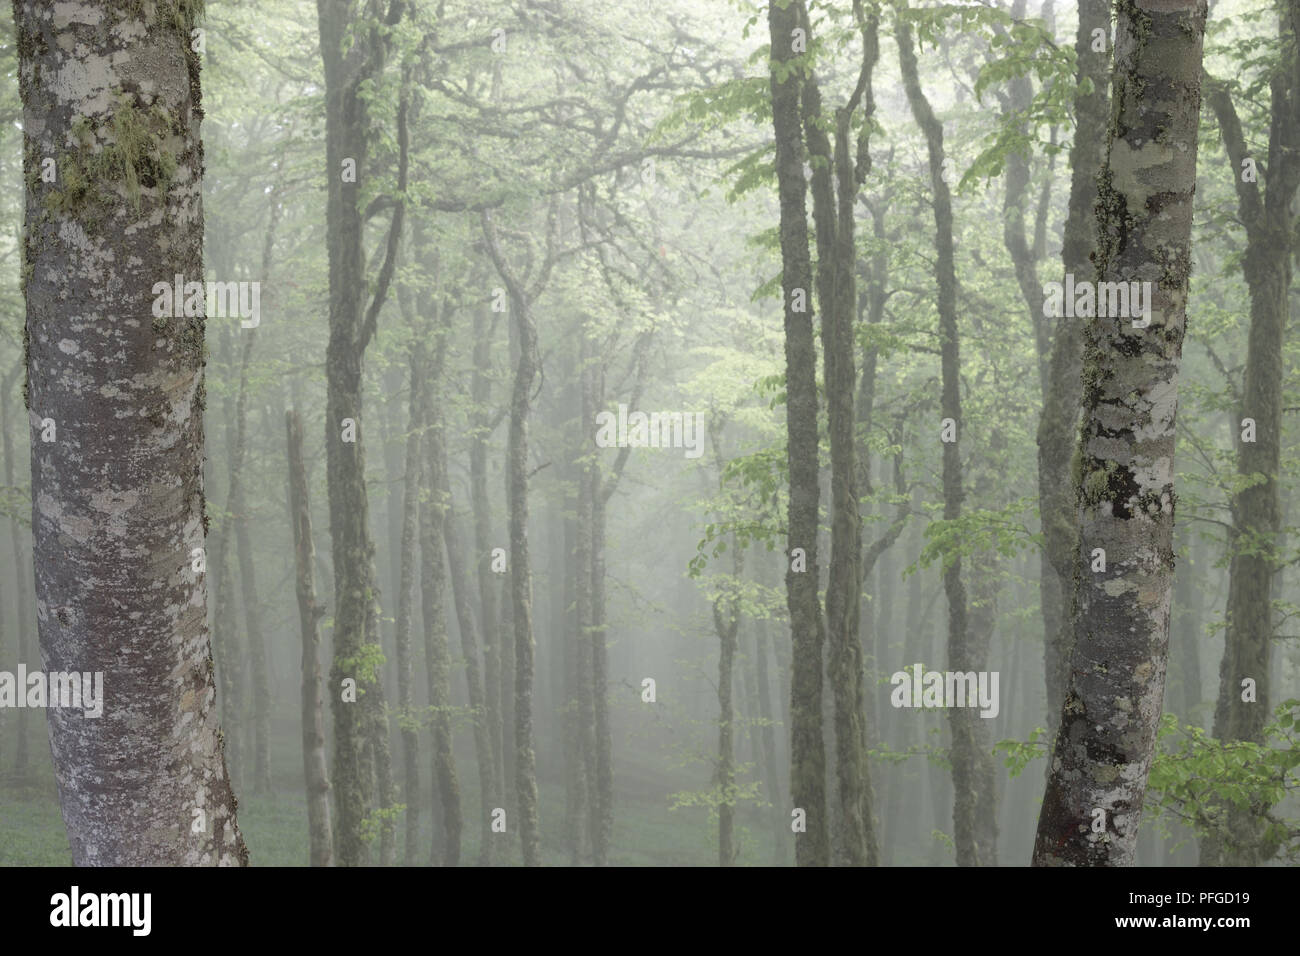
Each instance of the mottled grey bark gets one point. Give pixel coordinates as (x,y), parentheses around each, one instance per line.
(111,93)
(315,771)
(807,748)
(1106,741)
(1058,424)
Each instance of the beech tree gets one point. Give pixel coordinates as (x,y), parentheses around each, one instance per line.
(115,396)
(1124,459)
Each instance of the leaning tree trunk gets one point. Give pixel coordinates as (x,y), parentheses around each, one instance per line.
(310,612)
(116,404)
(807,746)
(1057,426)
(974,818)
(1107,736)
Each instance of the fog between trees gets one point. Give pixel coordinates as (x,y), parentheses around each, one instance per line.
(694,433)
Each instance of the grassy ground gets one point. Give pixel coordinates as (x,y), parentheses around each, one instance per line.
(646,832)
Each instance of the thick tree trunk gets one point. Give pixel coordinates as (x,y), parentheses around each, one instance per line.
(807,748)
(117,494)
(315,772)
(1106,741)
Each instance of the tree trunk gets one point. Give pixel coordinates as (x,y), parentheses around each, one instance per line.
(1256,513)
(469,647)
(1058,424)
(437,658)
(408,721)
(480,426)
(835,182)
(521,581)
(117,495)
(362,726)
(1106,741)
(315,772)
(974,822)
(22,608)
(807,748)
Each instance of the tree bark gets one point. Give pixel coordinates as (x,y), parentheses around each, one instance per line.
(1058,424)
(22,607)
(1256,513)
(807,747)
(310,612)
(117,495)
(974,821)
(1106,741)
(521,583)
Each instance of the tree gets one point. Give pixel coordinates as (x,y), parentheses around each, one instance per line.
(1256,512)
(315,770)
(1124,458)
(117,398)
(974,821)
(808,630)
(352,321)
(1057,425)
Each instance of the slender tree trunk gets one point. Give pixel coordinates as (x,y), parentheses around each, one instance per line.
(480,426)
(726,621)
(1057,426)
(437,658)
(1256,512)
(407,719)
(117,484)
(835,183)
(473,676)
(521,580)
(807,748)
(22,607)
(1106,741)
(309,614)
(974,822)
(360,728)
